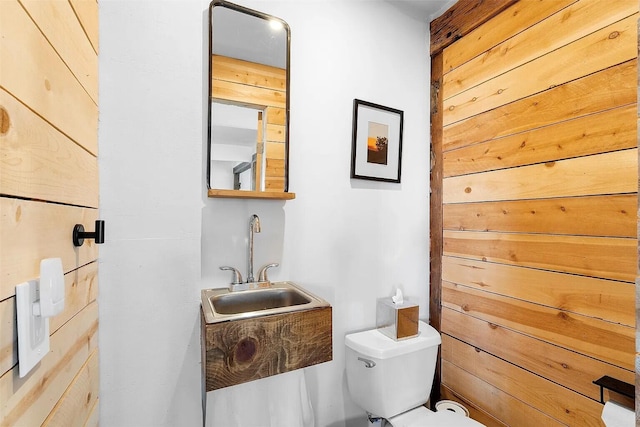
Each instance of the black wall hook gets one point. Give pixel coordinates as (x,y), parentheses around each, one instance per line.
(79,234)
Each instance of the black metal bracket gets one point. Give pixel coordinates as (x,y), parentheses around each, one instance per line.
(79,234)
(615,385)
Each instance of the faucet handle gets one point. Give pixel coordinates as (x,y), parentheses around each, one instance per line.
(237,277)
(262,276)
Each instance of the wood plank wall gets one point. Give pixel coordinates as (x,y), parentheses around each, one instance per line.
(48,183)
(535,143)
(257,86)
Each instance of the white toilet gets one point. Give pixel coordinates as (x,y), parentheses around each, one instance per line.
(392,379)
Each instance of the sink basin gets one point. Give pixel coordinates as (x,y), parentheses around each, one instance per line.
(221,305)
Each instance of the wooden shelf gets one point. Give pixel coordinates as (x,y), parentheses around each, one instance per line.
(239,194)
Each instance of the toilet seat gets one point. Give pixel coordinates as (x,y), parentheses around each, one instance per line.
(422,417)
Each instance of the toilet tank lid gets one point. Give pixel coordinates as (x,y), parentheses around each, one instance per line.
(374,343)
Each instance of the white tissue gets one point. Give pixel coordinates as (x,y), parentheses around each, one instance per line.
(397,298)
(615,415)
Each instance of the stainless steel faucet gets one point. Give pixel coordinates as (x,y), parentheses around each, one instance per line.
(254,227)
(263,281)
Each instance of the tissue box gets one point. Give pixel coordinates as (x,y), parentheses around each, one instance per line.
(397,321)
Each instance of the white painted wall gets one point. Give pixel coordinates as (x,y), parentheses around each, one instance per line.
(349,241)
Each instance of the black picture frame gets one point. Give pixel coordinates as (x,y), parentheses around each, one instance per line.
(376,148)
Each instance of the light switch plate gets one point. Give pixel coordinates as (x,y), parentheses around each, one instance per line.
(33,331)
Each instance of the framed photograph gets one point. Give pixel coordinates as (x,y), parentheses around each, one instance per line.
(376,151)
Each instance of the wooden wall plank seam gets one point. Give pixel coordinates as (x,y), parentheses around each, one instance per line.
(43,230)
(492,400)
(60,26)
(602,340)
(573,370)
(568,292)
(504,26)
(29,400)
(552,399)
(87,13)
(609,46)
(39,162)
(562,216)
(474,412)
(604,257)
(42,80)
(583,136)
(610,88)
(75,406)
(606,173)
(556,31)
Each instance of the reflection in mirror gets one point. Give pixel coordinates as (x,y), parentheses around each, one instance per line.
(249,100)
(237,138)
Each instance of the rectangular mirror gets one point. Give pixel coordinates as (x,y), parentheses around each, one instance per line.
(248,138)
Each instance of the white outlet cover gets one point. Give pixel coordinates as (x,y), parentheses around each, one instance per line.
(51,288)
(33,331)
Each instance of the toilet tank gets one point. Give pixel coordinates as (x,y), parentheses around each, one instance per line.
(387,377)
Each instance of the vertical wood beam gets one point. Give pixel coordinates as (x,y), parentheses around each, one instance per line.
(637,382)
(435,209)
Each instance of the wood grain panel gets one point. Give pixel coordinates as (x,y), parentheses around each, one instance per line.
(80,289)
(87,13)
(558,402)
(608,173)
(275,168)
(461,18)
(275,150)
(41,80)
(614,216)
(559,365)
(474,412)
(59,24)
(569,292)
(610,88)
(613,44)
(276,133)
(572,23)
(507,24)
(596,338)
(42,230)
(539,153)
(248,73)
(610,130)
(41,163)
(8,337)
(482,394)
(274,184)
(276,116)
(94,416)
(78,401)
(244,350)
(28,401)
(608,258)
(247,95)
